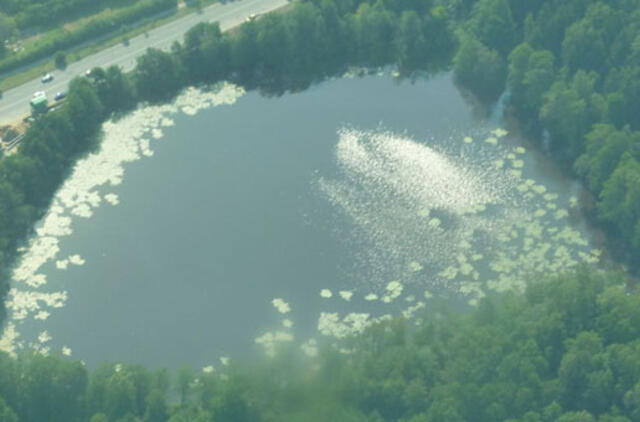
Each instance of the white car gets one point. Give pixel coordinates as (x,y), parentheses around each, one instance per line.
(47,78)
(38,94)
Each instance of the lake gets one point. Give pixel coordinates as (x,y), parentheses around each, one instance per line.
(226,222)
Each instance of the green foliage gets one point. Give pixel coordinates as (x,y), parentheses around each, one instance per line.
(585,45)
(622,87)
(620,199)
(374,29)
(531,73)
(30,13)
(564,114)
(156,407)
(60,60)
(7,30)
(6,413)
(605,145)
(115,90)
(576,417)
(480,69)
(157,76)
(493,24)
(184,379)
(411,43)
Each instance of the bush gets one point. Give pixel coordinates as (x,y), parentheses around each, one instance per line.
(61,60)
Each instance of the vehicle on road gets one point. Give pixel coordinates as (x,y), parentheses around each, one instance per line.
(59,96)
(38,94)
(252,17)
(39,105)
(47,78)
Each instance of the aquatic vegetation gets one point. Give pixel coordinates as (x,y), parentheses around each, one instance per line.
(44,337)
(62,264)
(411,310)
(75,260)
(346,295)
(500,132)
(573,202)
(270,340)
(491,140)
(394,290)
(326,293)
(415,266)
(9,340)
(42,315)
(330,324)
(282,306)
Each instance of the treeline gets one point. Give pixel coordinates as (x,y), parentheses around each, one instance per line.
(29,13)
(572,72)
(62,39)
(278,52)
(568,350)
(313,40)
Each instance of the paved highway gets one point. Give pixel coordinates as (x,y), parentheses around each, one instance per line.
(14,104)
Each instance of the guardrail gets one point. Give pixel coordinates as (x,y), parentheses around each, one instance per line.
(14,142)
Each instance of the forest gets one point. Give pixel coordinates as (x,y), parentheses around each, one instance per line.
(567,350)
(571,73)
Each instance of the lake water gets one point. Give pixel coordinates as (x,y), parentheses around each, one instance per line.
(356,199)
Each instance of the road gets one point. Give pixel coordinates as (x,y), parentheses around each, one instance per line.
(14,104)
